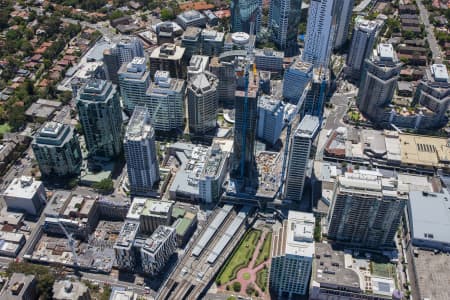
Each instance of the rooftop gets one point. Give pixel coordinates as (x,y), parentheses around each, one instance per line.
(168,51)
(23,187)
(386,51)
(139,126)
(430,216)
(301,65)
(16,286)
(439,72)
(157,239)
(296,237)
(308,127)
(65,290)
(127,234)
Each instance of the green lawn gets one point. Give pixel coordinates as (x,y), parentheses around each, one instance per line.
(240,258)
(246,276)
(261,278)
(4,128)
(264,252)
(383,269)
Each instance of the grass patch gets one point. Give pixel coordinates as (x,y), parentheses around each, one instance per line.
(261,278)
(4,128)
(246,276)
(383,269)
(264,251)
(240,258)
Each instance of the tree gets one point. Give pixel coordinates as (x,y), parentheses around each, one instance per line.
(166,14)
(105,186)
(237,286)
(45,276)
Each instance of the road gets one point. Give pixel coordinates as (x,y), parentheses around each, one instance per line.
(103,27)
(107,279)
(434,46)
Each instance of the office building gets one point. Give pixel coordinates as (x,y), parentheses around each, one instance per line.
(292,255)
(197,65)
(366,210)
(70,290)
(243,13)
(101,118)
(245,127)
(167,57)
(428,216)
(12,243)
(191,42)
(191,18)
(157,249)
(124,51)
(433,92)
(270,118)
(316,92)
(57,150)
(378,82)
(284,19)
(269,60)
(134,80)
(26,195)
(363,40)
(225,72)
(295,80)
(202,103)
(166,102)
(20,287)
(299,150)
(343,14)
(319,32)
(140,153)
(212,42)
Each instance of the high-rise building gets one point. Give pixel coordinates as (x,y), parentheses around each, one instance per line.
(269,60)
(299,151)
(316,92)
(243,13)
(343,14)
(150,213)
(319,32)
(134,80)
(295,80)
(101,118)
(433,92)
(197,65)
(378,82)
(57,150)
(363,40)
(124,51)
(245,127)
(191,42)
(212,42)
(225,71)
(167,57)
(292,255)
(141,153)
(366,209)
(202,102)
(270,118)
(166,102)
(284,19)
(123,247)
(157,249)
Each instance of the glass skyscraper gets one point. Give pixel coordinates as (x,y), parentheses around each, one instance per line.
(243,12)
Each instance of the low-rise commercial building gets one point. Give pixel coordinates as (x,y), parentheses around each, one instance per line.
(25,194)
(191,18)
(70,290)
(20,287)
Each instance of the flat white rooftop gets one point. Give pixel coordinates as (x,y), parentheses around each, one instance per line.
(23,187)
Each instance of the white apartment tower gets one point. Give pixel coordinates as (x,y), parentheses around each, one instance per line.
(134,80)
(270,118)
(140,153)
(319,32)
(165,102)
(292,255)
(363,40)
(299,150)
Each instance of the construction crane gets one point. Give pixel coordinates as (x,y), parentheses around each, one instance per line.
(71,243)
